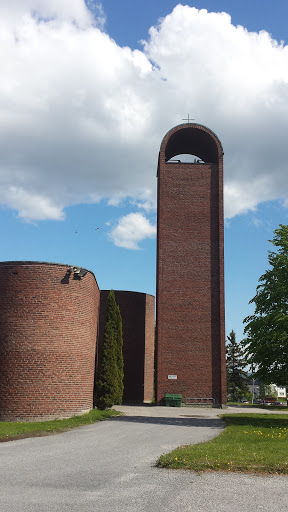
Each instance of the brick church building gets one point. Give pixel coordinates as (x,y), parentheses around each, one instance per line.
(52,315)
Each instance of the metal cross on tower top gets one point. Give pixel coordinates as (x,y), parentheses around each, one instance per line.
(189,119)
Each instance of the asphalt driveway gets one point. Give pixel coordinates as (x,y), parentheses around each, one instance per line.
(110,466)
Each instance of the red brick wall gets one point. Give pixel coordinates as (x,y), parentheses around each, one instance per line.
(190,275)
(48,328)
(149,349)
(138,314)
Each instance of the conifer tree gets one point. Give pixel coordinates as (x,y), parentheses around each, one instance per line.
(236,376)
(119,356)
(109,382)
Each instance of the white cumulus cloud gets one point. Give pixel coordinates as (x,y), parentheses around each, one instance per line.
(82,119)
(30,205)
(132,229)
(74,11)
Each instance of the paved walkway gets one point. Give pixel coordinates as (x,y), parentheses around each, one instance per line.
(207,412)
(110,466)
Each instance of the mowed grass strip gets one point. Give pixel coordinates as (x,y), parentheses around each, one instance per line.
(13,430)
(260,406)
(255,443)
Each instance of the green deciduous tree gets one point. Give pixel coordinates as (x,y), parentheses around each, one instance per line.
(109,382)
(266,344)
(236,376)
(265,390)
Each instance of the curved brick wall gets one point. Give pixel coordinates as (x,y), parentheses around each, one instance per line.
(48,329)
(138,316)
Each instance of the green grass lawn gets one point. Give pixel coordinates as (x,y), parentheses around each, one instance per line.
(250,443)
(13,430)
(260,406)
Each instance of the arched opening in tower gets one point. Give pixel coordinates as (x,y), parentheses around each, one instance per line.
(185,158)
(192,141)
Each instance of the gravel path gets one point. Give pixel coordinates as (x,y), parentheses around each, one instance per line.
(110,466)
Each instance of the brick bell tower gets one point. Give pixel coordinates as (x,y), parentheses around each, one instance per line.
(190,267)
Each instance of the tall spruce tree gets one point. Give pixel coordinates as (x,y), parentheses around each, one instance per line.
(109,382)
(236,376)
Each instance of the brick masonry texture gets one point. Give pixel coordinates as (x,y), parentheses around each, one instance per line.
(48,329)
(138,316)
(190,267)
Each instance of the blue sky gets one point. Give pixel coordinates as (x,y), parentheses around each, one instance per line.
(128,22)
(86,97)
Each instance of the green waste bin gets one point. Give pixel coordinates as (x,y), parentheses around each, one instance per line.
(173,400)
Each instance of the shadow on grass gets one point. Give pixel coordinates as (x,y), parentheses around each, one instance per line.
(256,420)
